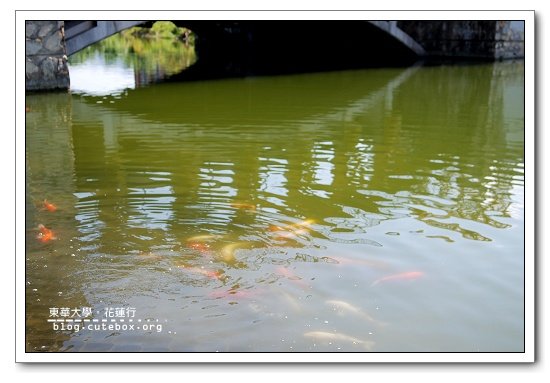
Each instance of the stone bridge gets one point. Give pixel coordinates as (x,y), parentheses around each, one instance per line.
(269,47)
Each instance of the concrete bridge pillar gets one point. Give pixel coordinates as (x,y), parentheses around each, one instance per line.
(46,60)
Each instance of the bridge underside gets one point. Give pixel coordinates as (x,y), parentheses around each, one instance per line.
(80,34)
(237,48)
(247,48)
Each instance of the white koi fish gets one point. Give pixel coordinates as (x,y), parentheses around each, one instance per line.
(204,237)
(227,253)
(345,307)
(338,337)
(293,226)
(407,276)
(290,300)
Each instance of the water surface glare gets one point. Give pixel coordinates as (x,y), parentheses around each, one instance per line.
(372,210)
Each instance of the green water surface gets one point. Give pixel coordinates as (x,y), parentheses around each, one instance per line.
(368,210)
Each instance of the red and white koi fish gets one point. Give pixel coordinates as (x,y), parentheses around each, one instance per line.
(45,235)
(409,276)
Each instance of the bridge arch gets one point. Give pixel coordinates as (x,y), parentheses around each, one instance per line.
(228,48)
(80,34)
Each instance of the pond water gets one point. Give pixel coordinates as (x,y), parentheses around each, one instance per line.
(376,210)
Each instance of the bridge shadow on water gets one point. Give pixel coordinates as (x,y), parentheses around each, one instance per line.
(257,48)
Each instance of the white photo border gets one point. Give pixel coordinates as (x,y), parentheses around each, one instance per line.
(299,357)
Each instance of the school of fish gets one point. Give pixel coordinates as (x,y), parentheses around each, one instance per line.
(204,245)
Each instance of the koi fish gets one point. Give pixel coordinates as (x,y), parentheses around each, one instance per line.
(275,228)
(227,253)
(291,231)
(286,273)
(293,226)
(306,223)
(338,337)
(290,300)
(206,273)
(45,235)
(204,237)
(285,235)
(409,275)
(200,246)
(245,206)
(49,206)
(301,224)
(345,307)
(283,271)
(291,234)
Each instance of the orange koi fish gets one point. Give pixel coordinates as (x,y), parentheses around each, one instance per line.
(409,275)
(200,246)
(49,206)
(45,235)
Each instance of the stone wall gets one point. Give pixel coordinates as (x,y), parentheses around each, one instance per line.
(487,39)
(509,37)
(46,60)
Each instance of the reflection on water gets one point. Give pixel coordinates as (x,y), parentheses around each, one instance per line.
(99,78)
(377,210)
(132,58)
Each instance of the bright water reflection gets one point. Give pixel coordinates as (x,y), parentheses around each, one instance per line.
(376,210)
(97,77)
(133,58)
